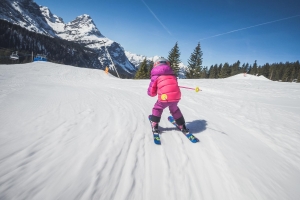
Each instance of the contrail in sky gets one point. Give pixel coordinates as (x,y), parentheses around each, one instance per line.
(249,27)
(157,18)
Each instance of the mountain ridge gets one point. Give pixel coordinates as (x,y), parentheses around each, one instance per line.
(82,30)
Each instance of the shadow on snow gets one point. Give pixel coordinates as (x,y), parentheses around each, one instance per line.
(196,126)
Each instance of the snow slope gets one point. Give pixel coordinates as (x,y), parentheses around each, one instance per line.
(75,133)
(249,77)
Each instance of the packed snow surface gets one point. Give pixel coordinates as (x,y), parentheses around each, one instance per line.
(75,133)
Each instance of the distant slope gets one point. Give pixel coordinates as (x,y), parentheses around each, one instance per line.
(243,76)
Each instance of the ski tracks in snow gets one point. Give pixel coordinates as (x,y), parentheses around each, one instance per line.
(73,133)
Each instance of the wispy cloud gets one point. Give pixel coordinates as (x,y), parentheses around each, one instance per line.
(157,18)
(249,27)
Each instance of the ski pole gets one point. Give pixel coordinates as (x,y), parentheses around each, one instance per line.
(165,96)
(197,89)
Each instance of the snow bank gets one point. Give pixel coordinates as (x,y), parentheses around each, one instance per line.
(248,77)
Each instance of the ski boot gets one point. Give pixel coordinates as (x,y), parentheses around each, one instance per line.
(183,129)
(155,127)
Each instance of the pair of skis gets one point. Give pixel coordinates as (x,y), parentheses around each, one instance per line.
(156,136)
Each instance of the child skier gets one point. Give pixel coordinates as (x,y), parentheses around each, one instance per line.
(164,83)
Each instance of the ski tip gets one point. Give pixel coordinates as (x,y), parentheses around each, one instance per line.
(156,139)
(192,138)
(157,142)
(196,140)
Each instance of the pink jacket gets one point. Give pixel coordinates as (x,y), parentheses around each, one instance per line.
(164,82)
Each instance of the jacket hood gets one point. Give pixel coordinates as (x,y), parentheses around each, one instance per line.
(162,70)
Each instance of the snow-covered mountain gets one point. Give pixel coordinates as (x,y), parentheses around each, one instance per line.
(137,59)
(26,14)
(81,29)
(39,19)
(55,22)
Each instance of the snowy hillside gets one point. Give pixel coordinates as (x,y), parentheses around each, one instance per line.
(75,133)
(27,14)
(137,59)
(249,77)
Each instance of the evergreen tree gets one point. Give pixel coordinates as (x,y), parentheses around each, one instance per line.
(215,71)
(295,70)
(235,69)
(204,73)
(225,71)
(174,59)
(279,71)
(195,63)
(211,71)
(265,70)
(271,70)
(249,69)
(297,65)
(274,74)
(219,70)
(293,74)
(287,72)
(150,67)
(253,70)
(243,68)
(142,72)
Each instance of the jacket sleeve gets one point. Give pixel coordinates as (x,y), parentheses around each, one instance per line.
(152,89)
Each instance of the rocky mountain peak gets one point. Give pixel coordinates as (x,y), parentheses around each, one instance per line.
(48,15)
(84,26)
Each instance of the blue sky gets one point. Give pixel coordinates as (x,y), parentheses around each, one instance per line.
(228,30)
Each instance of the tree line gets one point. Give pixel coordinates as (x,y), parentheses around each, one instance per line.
(286,72)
